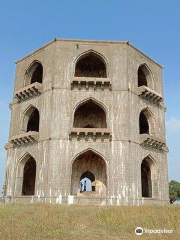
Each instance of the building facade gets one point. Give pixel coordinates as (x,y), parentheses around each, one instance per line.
(87,126)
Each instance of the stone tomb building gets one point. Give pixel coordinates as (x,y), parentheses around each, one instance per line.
(87,126)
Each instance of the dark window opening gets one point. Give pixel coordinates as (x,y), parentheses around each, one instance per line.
(29,177)
(143,124)
(87,182)
(146,179)
(142,81)
(90,66)
(33,123)
(90,115)
(37,75)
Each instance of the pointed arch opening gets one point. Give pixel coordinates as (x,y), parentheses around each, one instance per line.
(143,124)
(26,176)
(87,182)
(89,115)
(33,122)
(34,73)
(146,122)
(144,77)
(31,119)
(89,175)
(149,184)
(29,176)
(91,65)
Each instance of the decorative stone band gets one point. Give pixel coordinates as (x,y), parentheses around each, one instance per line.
(149,94)
(29,91)
(25,138)
(90,134)
(90,83)
(154,142)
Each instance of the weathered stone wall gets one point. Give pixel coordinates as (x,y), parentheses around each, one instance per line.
(54,152)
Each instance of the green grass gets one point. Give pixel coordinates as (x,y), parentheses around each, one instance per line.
(45,221)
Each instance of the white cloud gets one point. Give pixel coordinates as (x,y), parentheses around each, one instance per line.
(173,124)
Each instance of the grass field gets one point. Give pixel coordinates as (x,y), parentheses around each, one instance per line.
(45,221)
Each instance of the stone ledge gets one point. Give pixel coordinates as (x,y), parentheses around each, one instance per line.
(91,134)
(25,138)
(149,94)
(29,91)
(152,141)
(90,83)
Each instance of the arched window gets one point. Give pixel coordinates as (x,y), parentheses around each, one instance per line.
(33,122)
(146,179)
(144,76)
(37,75)
(87,182)
(30,120)
(90,65)
(29,176)
(143,124)
(89,115)
(34,73)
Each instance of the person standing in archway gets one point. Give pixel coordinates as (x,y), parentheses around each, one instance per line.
(85,185)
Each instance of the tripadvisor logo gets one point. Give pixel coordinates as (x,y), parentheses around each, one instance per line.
(139,231)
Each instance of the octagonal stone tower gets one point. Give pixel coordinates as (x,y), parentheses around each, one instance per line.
(87,126)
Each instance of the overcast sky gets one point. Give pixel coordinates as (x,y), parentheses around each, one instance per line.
(152,26)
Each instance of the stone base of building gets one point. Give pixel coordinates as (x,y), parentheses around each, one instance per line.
(84,200)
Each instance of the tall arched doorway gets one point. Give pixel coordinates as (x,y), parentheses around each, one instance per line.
(146,179)
(149,178)
(26,176)
(29,176)
(89,175)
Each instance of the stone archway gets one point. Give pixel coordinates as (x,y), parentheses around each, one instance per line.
(145,77)
(90,115)
(26,176)
(34,73)
(29,177)
(90,65)
(93,167)
(149,179)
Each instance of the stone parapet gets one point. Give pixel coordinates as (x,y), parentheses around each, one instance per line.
(91,83)
(152,141)
(25,138)
(149,94)
(29,91)
(91,134)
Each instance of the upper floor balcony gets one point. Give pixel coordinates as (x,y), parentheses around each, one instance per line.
(153,142)
(29,91)
(91,134)
(149,94)
(25,138)
(91,72)
(92,83)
